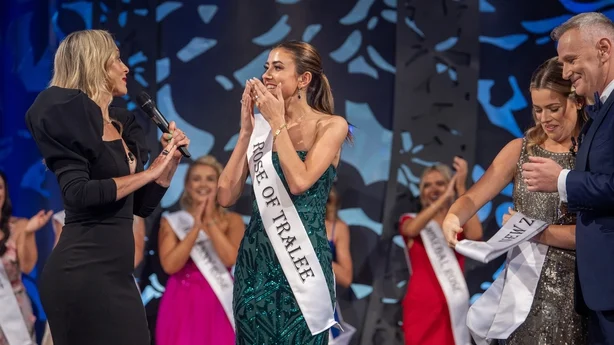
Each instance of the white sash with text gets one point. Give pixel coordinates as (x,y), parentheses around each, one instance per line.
(206,259)
(11,320)
(287,234)
(507,302)
(451,279)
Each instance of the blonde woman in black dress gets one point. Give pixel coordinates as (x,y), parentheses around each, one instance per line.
(97,154)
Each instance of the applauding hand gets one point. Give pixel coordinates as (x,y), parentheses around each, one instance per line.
(270,103)
(38,221)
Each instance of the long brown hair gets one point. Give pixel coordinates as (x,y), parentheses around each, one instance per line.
(307,59)
(333,207)
(319,92)
(549,75)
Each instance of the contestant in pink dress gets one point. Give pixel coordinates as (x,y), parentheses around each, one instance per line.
(190,312)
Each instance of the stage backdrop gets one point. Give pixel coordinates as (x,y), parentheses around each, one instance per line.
(194,56)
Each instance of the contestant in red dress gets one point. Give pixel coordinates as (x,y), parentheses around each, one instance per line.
(426,318)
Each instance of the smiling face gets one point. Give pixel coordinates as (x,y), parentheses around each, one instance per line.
(584,61)
(281,68)
(201,183)
(555,113)
(432,187)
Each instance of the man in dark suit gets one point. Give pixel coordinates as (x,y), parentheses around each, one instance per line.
(585,48)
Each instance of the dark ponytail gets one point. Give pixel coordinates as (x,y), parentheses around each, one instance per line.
(320,95)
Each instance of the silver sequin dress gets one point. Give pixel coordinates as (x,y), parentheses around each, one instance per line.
(552,319)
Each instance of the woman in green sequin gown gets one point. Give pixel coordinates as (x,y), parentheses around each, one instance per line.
(266,301)
(294,97)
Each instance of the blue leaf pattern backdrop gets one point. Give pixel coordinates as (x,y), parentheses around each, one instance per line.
(195,55)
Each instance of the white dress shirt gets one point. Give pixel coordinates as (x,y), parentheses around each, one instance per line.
(562,180)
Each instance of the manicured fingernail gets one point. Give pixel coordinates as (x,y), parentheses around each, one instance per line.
(169,136)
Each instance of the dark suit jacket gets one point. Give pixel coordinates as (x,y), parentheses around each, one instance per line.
(590,193)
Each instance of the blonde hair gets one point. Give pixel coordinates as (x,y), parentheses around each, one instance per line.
(549,75)
(186,201)
(443,169)
(81,62)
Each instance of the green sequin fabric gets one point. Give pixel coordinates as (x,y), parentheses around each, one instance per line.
(265,309)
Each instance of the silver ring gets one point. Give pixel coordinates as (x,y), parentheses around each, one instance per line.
(165,152)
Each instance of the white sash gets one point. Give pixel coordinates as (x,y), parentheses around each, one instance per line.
(59,217)
(450,277)
(507,302)
(345,336)
(287,234)
(11,320)
(206,259)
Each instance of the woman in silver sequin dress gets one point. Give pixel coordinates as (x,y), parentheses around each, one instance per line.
(558,116)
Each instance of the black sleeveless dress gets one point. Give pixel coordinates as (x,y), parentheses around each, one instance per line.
(86,287)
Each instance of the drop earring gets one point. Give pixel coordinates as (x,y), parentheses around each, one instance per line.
(299,93)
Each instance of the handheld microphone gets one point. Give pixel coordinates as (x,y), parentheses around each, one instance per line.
(149,107)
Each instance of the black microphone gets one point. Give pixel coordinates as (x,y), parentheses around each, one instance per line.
(149,107)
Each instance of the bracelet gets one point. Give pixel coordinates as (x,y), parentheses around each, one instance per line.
(278,131)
